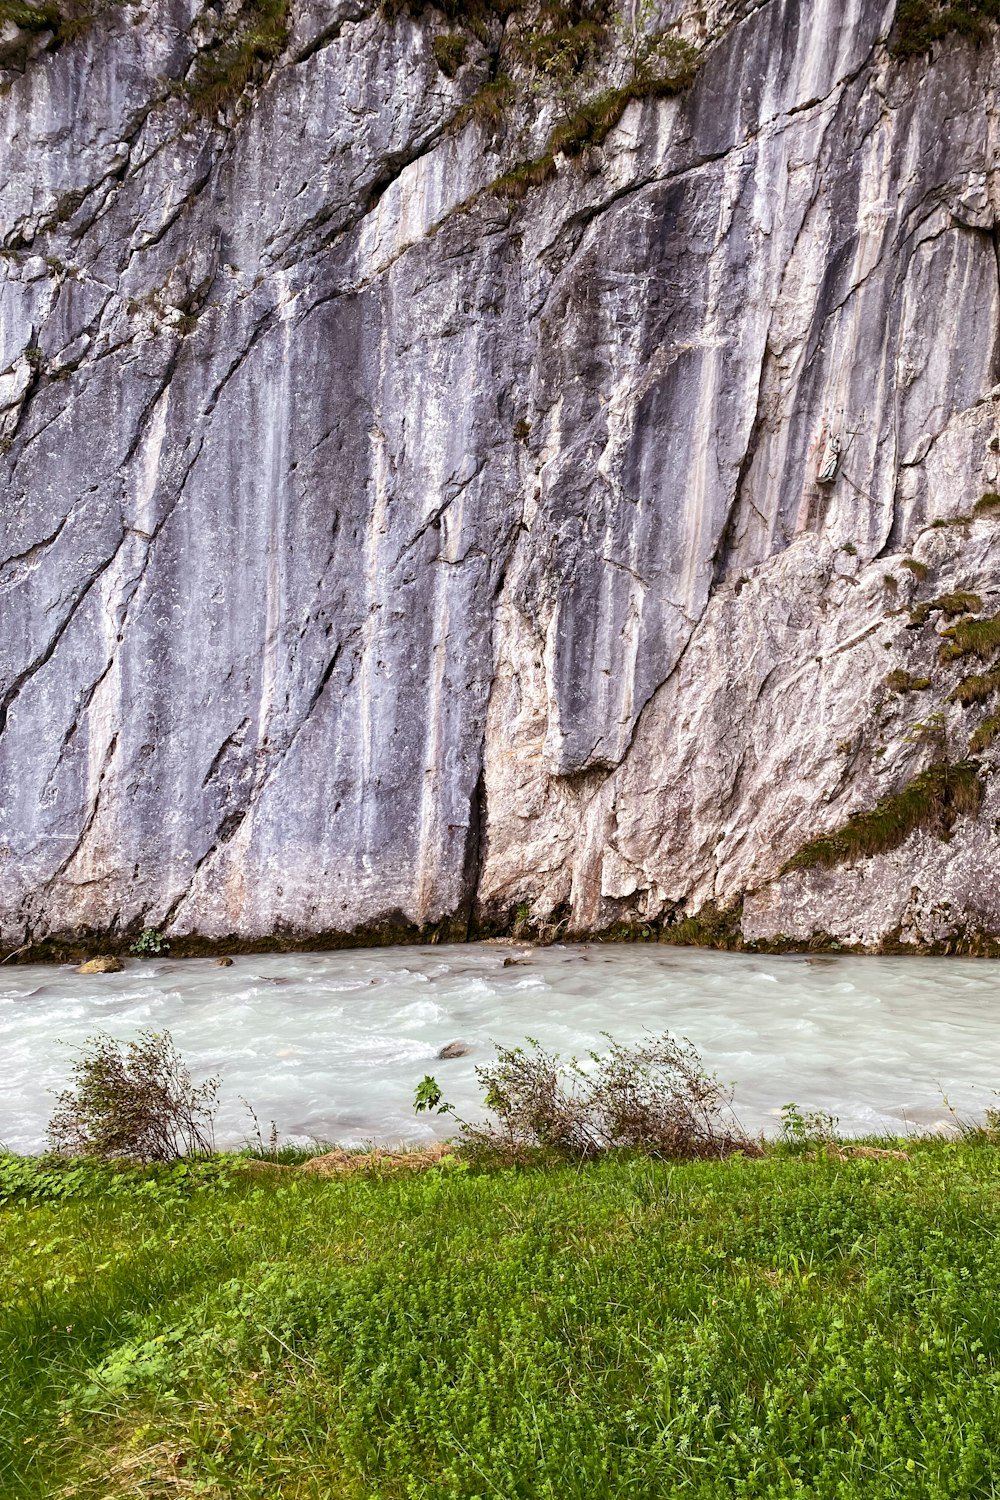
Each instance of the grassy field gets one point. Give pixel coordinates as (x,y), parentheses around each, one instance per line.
(774,1327)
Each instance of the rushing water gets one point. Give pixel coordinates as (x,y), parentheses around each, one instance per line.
(331,1045)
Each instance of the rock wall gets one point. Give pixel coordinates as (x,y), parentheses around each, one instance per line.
(381,549)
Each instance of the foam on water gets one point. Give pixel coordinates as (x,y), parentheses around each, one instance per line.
(330,1046)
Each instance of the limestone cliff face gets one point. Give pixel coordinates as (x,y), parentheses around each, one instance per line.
(378,545)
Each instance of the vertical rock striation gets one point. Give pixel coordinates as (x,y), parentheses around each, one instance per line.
(380,548)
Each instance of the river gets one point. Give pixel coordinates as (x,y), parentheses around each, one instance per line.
(331,1045)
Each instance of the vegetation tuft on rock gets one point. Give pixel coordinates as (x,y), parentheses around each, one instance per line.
(933,800)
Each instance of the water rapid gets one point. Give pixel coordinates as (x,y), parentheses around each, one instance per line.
(331,1045)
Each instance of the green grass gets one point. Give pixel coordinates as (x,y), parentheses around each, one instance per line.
(933,799)
(977,688)
(985,734)
(764,1328)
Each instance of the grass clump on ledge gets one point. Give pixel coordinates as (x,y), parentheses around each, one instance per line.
(971,638)
(919,24)
(250,41)
(985,734)
(932,800)
(976,689)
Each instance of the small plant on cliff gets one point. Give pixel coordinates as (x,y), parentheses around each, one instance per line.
(134,1101)
(449,52)
(150,944)
(900,681)
(971,638)
(920,23)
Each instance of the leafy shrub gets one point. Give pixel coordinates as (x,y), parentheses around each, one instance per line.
(654,1097)
(150,944)
(134,1101)
(801,1128)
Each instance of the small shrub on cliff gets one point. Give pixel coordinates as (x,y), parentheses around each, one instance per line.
(900,681)
(449,53)
(920,23)
(150,944)
(134,1101)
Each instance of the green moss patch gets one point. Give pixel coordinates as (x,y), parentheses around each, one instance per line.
(900,681)
(933,800)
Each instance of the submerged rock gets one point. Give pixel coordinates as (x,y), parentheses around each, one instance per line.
(102,965)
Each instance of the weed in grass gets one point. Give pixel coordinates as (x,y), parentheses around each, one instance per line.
(807,1128)
(933,800)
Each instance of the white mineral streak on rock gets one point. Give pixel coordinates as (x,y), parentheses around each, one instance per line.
(375,549)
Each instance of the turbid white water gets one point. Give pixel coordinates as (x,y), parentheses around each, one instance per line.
(330,1046)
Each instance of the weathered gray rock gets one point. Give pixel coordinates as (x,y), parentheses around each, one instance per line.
(377,549)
